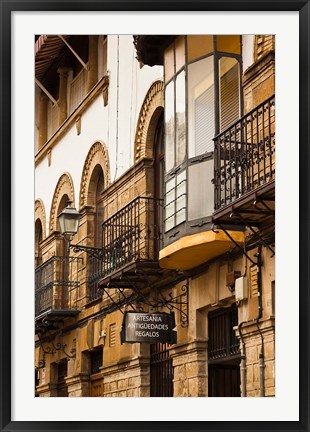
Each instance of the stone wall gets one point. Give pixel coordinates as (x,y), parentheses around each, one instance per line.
(259,78)
(190,366)
(130,379)
(253,344)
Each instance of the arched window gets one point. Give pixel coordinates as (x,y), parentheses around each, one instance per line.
(96,189)
(99,208)
(38,239)
(63,203)
(95,200)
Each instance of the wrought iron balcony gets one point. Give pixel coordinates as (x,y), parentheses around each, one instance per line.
(132,234)
(130,246)
(56,284)
(244,168)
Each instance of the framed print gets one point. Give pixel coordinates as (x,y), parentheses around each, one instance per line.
(153,241)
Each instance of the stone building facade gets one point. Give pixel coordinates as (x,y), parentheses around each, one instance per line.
(166,147)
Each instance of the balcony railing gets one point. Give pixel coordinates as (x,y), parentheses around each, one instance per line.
(56,284)
(129,236)
(244,155)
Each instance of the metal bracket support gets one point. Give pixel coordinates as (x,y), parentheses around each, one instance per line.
(255,232)
(236,244)
(46,92)
(90,250)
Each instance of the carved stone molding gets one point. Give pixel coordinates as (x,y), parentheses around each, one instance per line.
(64,187)
(152,101)
(39,213)
(97,155)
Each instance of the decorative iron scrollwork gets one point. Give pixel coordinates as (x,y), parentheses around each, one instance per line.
(53,347)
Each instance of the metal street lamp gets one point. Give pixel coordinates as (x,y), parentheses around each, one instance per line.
(69,223)
(69,220)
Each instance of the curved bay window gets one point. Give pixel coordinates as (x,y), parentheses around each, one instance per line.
(202,98)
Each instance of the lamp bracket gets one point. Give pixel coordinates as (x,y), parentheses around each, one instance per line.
(90,250)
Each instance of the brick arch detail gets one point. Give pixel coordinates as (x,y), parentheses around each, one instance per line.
(97,155)
(64,186)
(153,100)
(39,213)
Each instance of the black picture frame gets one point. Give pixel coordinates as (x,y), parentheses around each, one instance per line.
(7,7)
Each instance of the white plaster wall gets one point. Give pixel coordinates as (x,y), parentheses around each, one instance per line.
(115,124)
(128,87)
(247,51)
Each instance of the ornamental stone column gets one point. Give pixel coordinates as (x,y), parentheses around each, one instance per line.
(190,365)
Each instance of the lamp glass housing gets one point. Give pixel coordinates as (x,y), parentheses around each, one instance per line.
(69,220)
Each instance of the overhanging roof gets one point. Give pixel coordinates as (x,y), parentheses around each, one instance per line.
(47,50)
(150,48)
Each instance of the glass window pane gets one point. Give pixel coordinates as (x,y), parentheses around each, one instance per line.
(169,62)
(169,126)
(181,198)
(201,108)
(229,43)
(180,119)
(170,204)
(198,46)
(200,190)
(179,52)
(229,91)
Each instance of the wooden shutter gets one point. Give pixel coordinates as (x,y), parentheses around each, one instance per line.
(230,97)
(204,121)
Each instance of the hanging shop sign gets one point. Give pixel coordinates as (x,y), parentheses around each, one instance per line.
(145,327)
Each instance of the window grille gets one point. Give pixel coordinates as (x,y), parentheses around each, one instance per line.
(95,361)
(223,343)
(62,371)
(161,371)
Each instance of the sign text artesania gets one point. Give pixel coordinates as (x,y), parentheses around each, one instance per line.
(148,328)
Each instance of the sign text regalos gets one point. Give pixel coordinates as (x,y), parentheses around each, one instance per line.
(148,328)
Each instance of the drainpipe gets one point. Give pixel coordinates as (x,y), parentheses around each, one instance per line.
(256,320)
(260,309)
(243,370)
